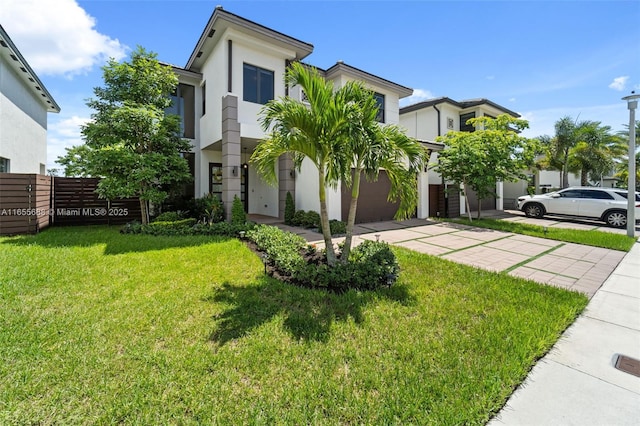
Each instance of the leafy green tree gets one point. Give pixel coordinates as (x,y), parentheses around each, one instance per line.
(494,152)
(372,147)
(130,142)
(316,132)
(557,149)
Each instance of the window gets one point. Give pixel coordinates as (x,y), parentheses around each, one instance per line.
(183,105)
(380,101)
(4,165)
(597,195)
(257,84)
(204,98)
(464,127)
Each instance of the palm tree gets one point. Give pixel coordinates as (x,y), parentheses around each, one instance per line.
(315,132)
(595,152)
(372,147)
(622,167)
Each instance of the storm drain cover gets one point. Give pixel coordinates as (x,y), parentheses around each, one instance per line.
(628,365)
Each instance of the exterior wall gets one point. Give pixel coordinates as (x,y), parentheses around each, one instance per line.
(391,100)
(23,120)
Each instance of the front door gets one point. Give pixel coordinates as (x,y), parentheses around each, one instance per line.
(215,179)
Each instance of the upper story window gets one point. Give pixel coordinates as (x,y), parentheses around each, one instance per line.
(257,84)
(464,127)
(183,105)
(4,165)
(380,101)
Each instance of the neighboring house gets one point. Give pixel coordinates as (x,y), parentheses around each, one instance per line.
(426,121)
(236,67)
(24,104)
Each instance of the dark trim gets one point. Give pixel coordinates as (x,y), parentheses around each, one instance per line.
(231,18)
(462,105)
(439,128)
(230,67)
(341,66)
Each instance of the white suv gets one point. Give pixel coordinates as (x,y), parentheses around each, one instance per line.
(606,204)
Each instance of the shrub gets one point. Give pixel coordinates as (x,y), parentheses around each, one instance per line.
(283,249)
(289,209)
(188,227)
(168,217)
(337,227)
(305,219)
(372,264)
(238,215)
(208,209)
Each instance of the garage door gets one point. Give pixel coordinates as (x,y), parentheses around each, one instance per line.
(372,202)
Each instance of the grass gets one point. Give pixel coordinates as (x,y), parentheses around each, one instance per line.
(104,328)
(590,238)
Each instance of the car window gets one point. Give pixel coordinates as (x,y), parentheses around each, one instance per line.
(624,194)
(571,193)
(597,195)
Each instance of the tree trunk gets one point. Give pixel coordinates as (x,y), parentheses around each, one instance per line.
(324,218)
(351,219)
(583,177)
(466,201)
(479,207)
(144,211)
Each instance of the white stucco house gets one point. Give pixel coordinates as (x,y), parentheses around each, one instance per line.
(426,121)
(235,68)
(24,104)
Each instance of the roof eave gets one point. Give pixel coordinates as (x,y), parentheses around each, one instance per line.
(27,73)
(301,48)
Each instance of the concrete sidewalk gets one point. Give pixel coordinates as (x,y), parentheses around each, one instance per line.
(577,383)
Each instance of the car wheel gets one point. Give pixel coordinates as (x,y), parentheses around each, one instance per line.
(533,210)
(616,219)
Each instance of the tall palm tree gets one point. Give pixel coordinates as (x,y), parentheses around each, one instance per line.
(315,132)
(595,152)
(372,147)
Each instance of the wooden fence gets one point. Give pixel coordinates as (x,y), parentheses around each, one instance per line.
(25,203)
(30,203)
(75,202)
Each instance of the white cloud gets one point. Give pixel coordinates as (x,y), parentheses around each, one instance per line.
(542,121)
(57,37)
(417,96)
(619,83)
(62,134)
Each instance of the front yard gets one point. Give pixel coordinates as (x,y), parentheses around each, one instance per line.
(99,327)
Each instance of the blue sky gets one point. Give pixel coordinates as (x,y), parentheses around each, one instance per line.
(542,59)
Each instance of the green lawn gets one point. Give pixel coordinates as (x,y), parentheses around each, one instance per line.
(103,328)
(593,238)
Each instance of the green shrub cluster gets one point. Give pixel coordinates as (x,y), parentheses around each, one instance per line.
(188,227)
(337,227)
(168,217)
(372,264)
(208,209)
(306,219)
(178,227)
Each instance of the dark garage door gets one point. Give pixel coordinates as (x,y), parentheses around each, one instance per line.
(372,202)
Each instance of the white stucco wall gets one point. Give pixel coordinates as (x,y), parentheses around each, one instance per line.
(307,192)
(23,124)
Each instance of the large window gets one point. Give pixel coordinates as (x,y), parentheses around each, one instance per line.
(257,84)
(4,165)
(183,105)
(380,101)
(464,127)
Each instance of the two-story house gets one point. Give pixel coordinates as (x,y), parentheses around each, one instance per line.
(236,67)
(24,104)
(426,121)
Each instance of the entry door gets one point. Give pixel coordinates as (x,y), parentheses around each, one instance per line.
(215,179)
(244,188)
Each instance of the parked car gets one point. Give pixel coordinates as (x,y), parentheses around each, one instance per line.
(605,204)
